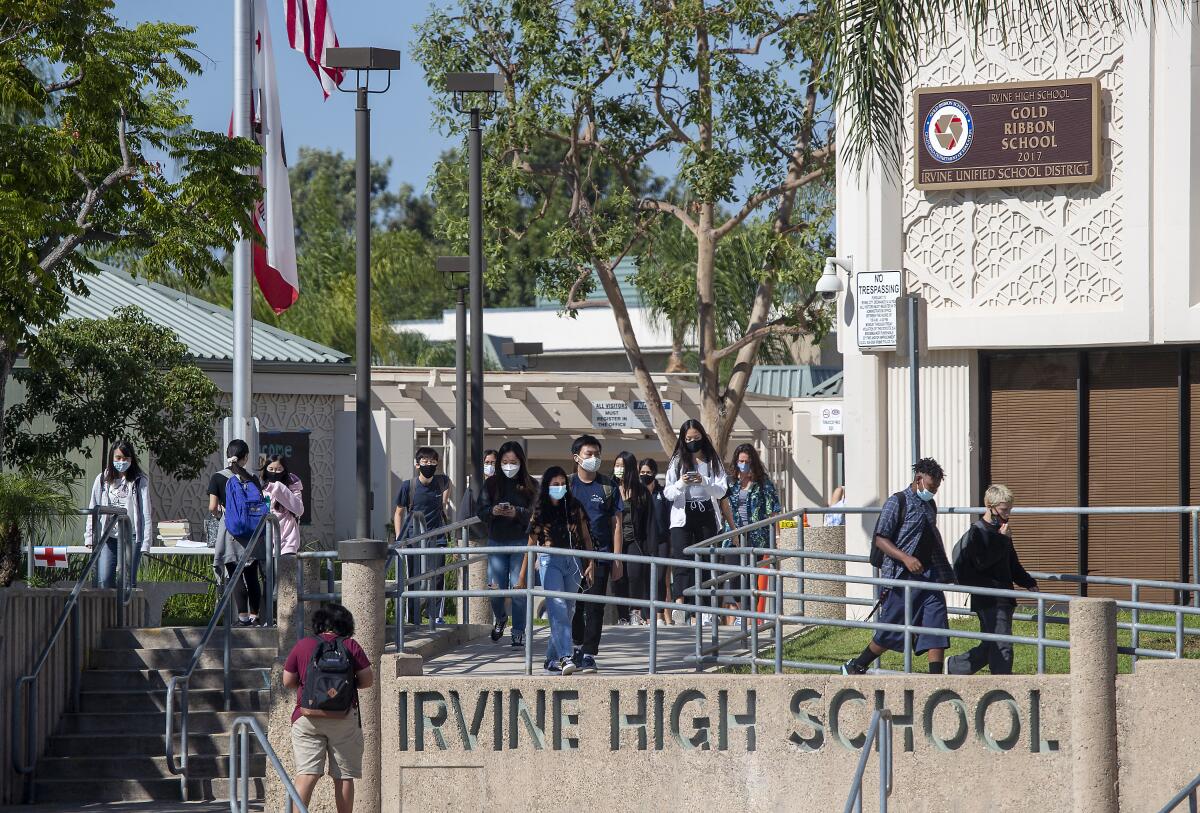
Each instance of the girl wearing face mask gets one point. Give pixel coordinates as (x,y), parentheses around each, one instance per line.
(504,509)
(696,481)
(635,518)
(752,498)
(285,491)
(489,463)
(247,593)
(658,529)
(123,485)
(558,521)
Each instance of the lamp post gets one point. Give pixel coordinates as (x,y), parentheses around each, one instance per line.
(462,266)
(476,93)
(363,61)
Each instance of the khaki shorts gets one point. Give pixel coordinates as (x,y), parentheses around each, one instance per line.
(313,737)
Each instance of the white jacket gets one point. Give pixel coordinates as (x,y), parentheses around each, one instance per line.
(138,509)
(714,484)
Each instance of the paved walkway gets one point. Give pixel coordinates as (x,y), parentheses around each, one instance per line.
(623,651)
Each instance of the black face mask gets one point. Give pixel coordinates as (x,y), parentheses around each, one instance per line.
(694,446)
(647,479)
(427,471)
(274,477)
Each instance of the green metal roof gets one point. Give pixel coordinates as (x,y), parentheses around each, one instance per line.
(796,381)
(205,328)
(625,269)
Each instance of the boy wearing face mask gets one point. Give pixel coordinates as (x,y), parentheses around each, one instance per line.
(429,494)
(907,535)
(985,557)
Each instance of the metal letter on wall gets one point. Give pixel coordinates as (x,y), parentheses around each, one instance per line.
(1011,134)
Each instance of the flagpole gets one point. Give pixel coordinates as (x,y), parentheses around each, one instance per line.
(243,338)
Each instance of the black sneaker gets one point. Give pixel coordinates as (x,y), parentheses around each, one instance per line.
(498,629)
(518,639)
(553,667)
(852,667)
(577,658)
(589,665)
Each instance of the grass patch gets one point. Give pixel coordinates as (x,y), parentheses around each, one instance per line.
(836,645)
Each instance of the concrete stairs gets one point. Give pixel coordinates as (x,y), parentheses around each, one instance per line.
(113,748)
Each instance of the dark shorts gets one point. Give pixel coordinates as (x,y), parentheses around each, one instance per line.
(928,610)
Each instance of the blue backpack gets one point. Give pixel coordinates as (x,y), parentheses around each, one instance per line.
(245,507)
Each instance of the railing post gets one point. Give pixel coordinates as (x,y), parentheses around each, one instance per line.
(907,629)
(401,601)
(76,654)
(227,656)
(652,617)
(1041,634)
(1133,628)
(778,620)
(529,610)
(119,581)
(300,597)
(714,600)
(695,604)
(1196,556)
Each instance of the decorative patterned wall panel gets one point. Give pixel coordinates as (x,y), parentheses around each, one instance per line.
(1042,248)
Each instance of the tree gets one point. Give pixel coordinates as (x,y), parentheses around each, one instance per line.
(29,502)
(121,377)
(76,161)
(729,91)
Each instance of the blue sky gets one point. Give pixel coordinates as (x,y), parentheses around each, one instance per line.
(400,119)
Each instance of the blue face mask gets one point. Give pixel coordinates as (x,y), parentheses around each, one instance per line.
(743,467)
(121,465)
(558,492)
(925,494)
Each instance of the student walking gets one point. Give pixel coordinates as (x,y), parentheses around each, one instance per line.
(122,484)
(985,557)
(752,498)
(287,501)
(489,462)
(696,482)
(427,494)
(247,592)
(907,535)
(658,530)
(505,508)
(635,517)
(559,521)
(327,670)
(601,501)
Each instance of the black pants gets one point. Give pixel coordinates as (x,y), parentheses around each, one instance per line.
(588,621)
(634,582)
(996,654)
(701,524)
(248,590)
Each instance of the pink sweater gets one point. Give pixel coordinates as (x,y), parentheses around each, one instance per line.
(288,505)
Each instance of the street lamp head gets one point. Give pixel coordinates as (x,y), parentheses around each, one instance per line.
(449,266)
(362,59)
(490,85)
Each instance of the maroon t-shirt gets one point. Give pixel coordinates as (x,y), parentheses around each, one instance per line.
(298,660)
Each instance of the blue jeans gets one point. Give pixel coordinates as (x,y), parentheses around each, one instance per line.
(504,570)
(106,568)
(559,573)
(419,565)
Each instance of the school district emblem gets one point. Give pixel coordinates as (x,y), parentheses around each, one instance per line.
(948,131)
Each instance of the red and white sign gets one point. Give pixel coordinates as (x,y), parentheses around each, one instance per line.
(50,557)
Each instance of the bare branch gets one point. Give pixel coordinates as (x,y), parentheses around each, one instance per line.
(652,204)
(54,87)
(790,185)
(662,111)
(773,328)
(752,50)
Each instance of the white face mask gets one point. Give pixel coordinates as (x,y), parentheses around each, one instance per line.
(618,472)
(489,469)
(589,463)
(510,469)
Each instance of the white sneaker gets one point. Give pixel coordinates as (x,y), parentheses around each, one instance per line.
(635,618)
(678,616)
(706,620)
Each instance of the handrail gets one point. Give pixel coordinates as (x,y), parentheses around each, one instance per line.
(441,530)
(239,766)
(879,731)
(402,578)
(1189,793)
(223,607)
(26,763)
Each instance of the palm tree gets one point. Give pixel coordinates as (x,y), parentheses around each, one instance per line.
(28,503)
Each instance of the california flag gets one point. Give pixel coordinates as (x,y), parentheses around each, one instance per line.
(275,263)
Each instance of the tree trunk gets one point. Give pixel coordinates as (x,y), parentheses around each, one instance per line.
(706,312)
(633,352)
(10,553)
(743,365)
(8,359)
(675,361)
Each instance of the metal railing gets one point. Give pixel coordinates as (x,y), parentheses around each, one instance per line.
(267,533)
(25,691)
(1189,792)
(879,732)
(239,767)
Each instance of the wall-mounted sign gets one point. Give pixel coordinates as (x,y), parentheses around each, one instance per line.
(827,418)
(624,415)
(875,295)
(1012,134)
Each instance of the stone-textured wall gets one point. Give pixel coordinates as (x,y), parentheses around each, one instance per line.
(187,499)
(1043,247)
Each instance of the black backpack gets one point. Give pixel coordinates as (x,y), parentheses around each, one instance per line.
(877,554)
(329,685)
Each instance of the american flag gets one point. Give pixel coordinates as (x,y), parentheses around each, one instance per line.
(310,31)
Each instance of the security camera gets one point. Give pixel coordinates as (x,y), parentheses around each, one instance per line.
(830,284)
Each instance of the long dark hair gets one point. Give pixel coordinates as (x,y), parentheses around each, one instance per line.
(235,451)
(632,482)
(544,504)
(683,459)
(524,482)
(134,472)
(758,472)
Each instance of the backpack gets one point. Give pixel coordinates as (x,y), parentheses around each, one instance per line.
(877,554)
(329,686)
(244,507)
